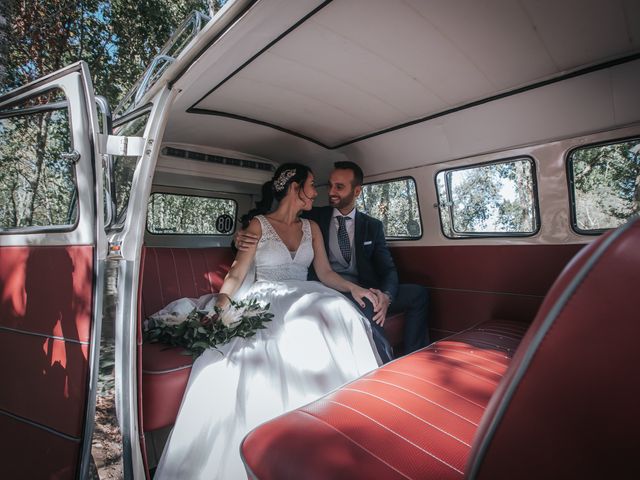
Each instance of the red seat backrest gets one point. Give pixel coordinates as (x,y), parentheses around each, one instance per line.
(568,406)
(172,273)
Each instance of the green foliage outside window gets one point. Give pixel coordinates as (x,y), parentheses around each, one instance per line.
(189,215)
(606,184)
(37,184)
(395,204)
(492,199)
(117,39)
(124,167)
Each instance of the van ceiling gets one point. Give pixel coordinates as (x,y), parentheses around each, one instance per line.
(334,72)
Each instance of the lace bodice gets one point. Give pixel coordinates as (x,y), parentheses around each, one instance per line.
(274,262)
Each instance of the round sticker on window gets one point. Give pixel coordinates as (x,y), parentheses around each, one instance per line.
(224,223)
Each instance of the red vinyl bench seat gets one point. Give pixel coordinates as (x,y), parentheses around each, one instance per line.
(488,403)
(167,275)
(415,416)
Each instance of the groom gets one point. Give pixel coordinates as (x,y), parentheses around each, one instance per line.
(357,250)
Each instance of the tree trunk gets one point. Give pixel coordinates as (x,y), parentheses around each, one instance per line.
(41,145)
(4,38)
(385,204)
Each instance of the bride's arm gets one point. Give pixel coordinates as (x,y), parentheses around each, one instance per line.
(331,278)
(239,268)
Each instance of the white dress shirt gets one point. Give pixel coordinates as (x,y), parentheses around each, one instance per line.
(350,224)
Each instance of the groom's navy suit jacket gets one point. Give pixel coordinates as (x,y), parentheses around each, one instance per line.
(373,259)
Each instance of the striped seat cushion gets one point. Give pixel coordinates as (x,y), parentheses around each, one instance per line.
(412,418)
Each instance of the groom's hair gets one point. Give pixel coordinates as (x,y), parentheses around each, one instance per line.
(358,176)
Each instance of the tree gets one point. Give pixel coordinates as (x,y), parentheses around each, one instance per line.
(393,204)
(606,181)
(490,198)
(116,39)
(4,38)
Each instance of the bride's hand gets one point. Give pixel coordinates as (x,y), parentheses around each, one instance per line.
(359,294)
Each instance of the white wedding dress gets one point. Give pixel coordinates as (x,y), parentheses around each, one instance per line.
(316,342)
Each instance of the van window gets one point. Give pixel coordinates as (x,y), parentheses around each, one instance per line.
(124,167)
(37,173)
(190,215)
(495,199)
(395,204)
(605,185)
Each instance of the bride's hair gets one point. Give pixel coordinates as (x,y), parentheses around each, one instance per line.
(277,188)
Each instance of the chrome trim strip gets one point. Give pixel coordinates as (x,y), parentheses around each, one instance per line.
(44,335)
(486,292)
(93,369)
(170,370)
(40,426)
(128,376)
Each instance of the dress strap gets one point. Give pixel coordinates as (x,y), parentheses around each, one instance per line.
(306,229)
(268,233)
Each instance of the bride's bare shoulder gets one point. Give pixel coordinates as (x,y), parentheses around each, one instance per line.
(315,229)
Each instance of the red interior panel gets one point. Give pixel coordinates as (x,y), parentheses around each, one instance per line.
(165,373)
(29,452)
(472,283)
(47,290)
(44,380)
(46,306)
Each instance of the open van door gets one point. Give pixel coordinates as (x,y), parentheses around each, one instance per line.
(52,249)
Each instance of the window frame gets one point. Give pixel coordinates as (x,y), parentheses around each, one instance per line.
(473,235)
(120,218)
(182,234)
(415,184)
(53,106)
(571,184)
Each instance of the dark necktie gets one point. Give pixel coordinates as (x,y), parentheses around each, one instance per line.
(343,238)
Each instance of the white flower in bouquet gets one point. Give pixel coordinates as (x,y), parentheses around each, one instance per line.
(172,319)
(202,329)
(231,315)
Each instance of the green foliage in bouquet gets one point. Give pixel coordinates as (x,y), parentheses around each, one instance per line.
(202,330)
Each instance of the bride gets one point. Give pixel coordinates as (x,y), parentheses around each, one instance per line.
(316,341)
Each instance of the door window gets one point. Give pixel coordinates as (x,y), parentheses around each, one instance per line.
(37,165)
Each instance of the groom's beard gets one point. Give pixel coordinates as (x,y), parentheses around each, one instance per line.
(342,202)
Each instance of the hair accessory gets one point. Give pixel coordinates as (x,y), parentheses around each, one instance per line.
(282,179)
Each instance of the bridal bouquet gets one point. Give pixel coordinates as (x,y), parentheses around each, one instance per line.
(204,329)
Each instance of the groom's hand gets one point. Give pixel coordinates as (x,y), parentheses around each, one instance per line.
(245,240)
(381,309)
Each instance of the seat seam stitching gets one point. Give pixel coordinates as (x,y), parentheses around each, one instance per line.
(397,434)
(436,385)
(414,415)
(422,397)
